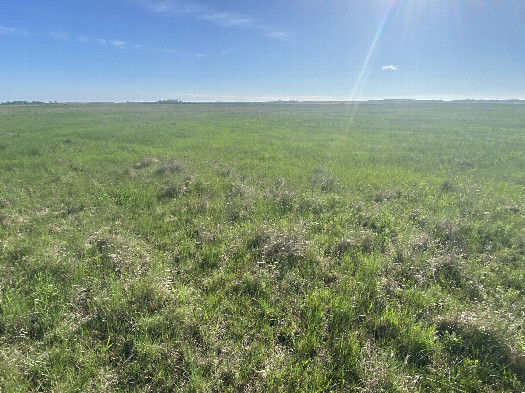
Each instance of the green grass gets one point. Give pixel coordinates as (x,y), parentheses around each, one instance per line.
(262,247)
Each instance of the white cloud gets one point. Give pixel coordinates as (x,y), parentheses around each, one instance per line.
(60,35)
(226,51)
(162,7)
(278,35)
(118,43)
(222,18)
(227,19)
(171,8)
(389,67)
(84,40)
(200,12)
(5,30)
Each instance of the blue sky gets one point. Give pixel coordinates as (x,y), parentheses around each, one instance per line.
(252,50)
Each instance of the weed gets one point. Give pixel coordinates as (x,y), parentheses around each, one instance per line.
(173,166)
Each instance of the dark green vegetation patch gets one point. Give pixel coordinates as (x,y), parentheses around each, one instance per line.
(262,248)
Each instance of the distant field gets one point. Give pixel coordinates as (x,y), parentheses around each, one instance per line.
(262,247)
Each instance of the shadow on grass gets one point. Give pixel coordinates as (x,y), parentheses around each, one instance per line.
(464,341)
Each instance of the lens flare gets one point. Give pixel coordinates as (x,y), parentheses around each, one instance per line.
(358,86)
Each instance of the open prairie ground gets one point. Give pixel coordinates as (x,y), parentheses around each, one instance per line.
(262,247)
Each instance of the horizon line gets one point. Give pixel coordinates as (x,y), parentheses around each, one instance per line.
(283,101)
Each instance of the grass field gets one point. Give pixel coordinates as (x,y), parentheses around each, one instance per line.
(262,247)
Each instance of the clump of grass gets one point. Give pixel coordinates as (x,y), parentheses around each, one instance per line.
(275,247)
(387,195)
(323,180)
(174,166)
(478,351)
(514,208)
(145,162)
(448,186)
(180,187)
(283,197)
(364,241)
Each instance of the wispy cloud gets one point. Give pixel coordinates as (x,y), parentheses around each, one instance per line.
(117,43)
(172,8)
(5,30)
(84,40)
(223,18)
(226,51)
(389,67)
(61,35)
(278,35)
(227,19)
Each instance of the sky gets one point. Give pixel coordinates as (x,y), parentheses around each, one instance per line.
(252,50)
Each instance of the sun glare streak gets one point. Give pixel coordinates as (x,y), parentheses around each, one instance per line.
(364,68)
(358,83)
(358,86)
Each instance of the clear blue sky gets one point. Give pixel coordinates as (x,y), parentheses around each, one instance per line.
(252,50)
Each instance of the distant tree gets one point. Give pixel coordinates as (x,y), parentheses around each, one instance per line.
(170,101)
(22,103)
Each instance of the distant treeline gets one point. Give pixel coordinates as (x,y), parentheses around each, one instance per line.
(28,103)
(170,101)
